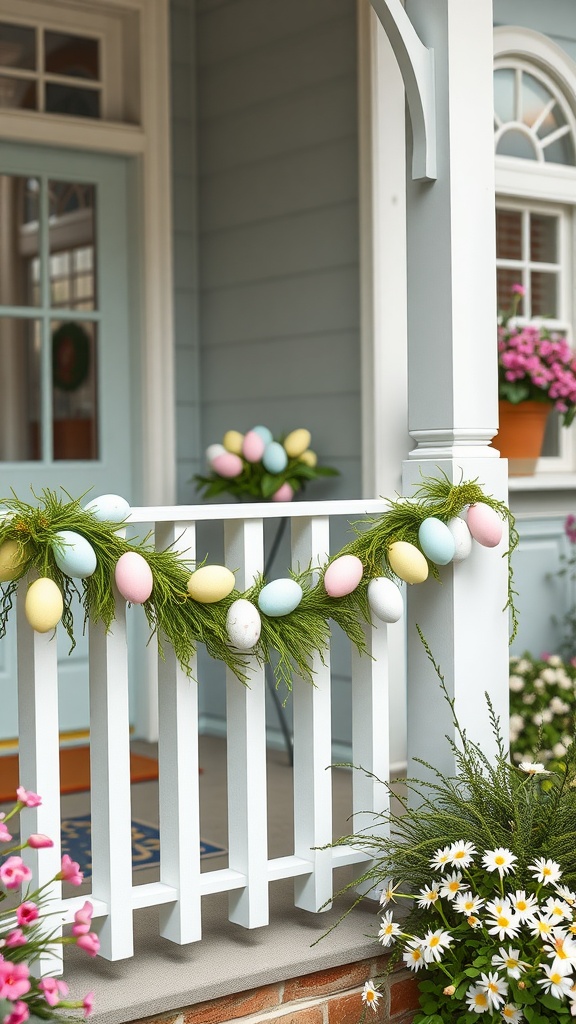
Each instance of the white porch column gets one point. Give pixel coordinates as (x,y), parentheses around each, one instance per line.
(452,368)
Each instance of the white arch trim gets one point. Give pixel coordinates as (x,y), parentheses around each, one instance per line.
(515,41)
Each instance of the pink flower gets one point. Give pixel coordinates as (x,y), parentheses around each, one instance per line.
(19,1014)
(13,872)
(82,919)
(14,980)
(27,913)
(88,1003)
(570,528)
(28,798)
(53,988)
(89,942)
(37,841)
(5,836)
(70,871)
(15,938)
(518,289)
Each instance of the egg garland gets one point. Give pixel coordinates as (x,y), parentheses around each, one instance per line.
(284,622)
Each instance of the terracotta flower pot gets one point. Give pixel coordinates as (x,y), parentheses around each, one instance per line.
(521,434)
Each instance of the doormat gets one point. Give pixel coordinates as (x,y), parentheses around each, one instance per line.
(74,771)
(76,842)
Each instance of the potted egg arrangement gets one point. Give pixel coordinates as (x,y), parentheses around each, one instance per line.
(256,467)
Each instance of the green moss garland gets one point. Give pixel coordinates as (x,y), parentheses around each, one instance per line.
(289,641)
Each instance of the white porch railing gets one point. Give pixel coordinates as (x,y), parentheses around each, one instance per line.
(248,875)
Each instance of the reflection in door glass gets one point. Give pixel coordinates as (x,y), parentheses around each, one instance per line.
(20,428)
(71,242)
(19,240)
(74,394)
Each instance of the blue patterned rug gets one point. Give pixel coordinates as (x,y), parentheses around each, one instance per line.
(76,842)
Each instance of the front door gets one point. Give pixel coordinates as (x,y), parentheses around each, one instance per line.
(65,381)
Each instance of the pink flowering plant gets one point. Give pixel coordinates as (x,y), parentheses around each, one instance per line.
(535,364)
(25,935)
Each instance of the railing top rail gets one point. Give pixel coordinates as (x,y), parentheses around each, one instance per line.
(256,510)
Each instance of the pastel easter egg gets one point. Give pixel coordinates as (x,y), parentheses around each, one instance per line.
(462,538)
(484,524)
(73,554)
(213,451)
(284,493)
(309,458)
(407,561)
(343,575)
(243,625)
(133,577)
(44,605)
(264,433)
(10,560)
(297,442)
(385,599)
(280,597)
(232,441)
(274,458)
(253,447)
(108,508)
(227,465)
(211,583)
(436,541)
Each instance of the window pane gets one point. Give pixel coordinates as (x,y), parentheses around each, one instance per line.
(543,239)
(17,46)
(71,242)
(16,94)
(74,396)
(544,294)
(64,99)
(535,96)
(19,239)
(516,143)
(20,438)
(505,278)
(508,235)
(77,56)
(551,444)
(504,94)
(561,151)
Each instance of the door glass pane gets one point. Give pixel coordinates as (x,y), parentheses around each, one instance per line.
(74,394)
(19,240)
(543,234)
(508,235)
(71,243)
(17,46)
(20,433)
(544,294)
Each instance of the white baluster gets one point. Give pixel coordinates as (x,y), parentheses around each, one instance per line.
(246,730)
(312,742)
(179,794)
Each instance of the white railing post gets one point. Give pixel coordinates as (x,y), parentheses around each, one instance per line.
(312,742)
(179,794)
(246,738)
(110,783)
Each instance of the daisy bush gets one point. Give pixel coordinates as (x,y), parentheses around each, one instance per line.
(25,933)
(542,706)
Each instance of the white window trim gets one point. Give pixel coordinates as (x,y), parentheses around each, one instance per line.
(149,144)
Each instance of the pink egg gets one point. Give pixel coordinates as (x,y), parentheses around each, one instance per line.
(253,446)
(284,493)
(227,464)
(484,524)
(343,575)
(133,577)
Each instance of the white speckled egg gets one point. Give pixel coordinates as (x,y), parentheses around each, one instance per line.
(343,575)
(232,441)
(133,577)
(264,433)
(280,597)
(213,451)
(73,554)
(462,538)
(297,442)
(109,508)
(211,583)
(385,599)
(243,625)
(10,560)
(274,458)
(227,465)
(484,524)
(407,561)
(43,605)
(436,541)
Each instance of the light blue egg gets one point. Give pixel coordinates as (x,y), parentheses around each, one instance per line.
(109,508)
(436,541)
(274,459)
(280,597)
(264,433)
(73,554)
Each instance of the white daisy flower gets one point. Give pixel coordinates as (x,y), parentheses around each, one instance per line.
(461,854)
(495,988)
(533,767)
(429,895)
(387,894)
(505,924)
(561,947)
(511,1013)
(557,909)
(466,903)
(389,929)
(500,860)
(523,905)
(541,926)
(510,960)
(565,894)
(370,995)
(557,981)
(434,944)
(413,956)
(451,885)
(545,870)
(441,859)
(477,999)
(474,921)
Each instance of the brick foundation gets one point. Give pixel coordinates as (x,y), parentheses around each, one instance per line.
(332,996)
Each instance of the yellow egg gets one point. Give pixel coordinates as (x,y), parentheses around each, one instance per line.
(309,458)
(211,583)
(408,562)
(297,442)
(10,560)
(232,441)
(43,605)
